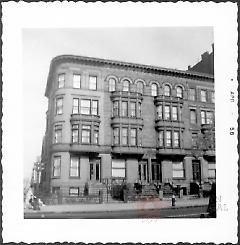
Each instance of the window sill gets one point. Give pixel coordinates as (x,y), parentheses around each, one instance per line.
(71,177)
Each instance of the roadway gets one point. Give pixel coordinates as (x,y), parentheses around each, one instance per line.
(183,212)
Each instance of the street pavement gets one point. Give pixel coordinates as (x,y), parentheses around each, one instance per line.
(145,206)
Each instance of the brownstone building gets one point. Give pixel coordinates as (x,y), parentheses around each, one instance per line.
(115,120)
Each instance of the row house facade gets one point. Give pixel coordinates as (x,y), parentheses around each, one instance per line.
(116,120)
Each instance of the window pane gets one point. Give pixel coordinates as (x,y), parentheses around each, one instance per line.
(174,113)
(126,86)
(74,167)
(74,133)
(59,106)
(203,95)
(213,97)
(85,107)
(96,136)
(160,138)
(159,112)
(61,79)
(168,138)
(193,117)
(94,107)
(93,83)
(85,136)
(56,166)
(76,80)
(179,92)
(176,139)
(154,89)
(140,87)
(118,172)
(124,136)
(118,163)
(167,90)
(133,109)
(192,94)
(203,117)
(115,108)
(116,136)
(112,84)
(209,117)
(124,109)
(75,106)
(133,135)
(167,112)
(73,191)
(58,135)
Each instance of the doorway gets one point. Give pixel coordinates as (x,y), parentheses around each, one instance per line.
(95,169)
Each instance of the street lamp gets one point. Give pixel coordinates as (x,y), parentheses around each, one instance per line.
(38,167)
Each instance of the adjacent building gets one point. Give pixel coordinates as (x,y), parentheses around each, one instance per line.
(110,120)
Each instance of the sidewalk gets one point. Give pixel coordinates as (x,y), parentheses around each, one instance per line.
(108,207)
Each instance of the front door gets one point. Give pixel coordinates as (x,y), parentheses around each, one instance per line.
(196,170)
(156,172)
(95,170)
(143,171)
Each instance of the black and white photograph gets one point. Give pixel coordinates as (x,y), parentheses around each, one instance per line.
(119,123)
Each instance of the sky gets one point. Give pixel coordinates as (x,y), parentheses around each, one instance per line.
(170,47)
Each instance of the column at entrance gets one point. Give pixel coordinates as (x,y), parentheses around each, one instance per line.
(149,169)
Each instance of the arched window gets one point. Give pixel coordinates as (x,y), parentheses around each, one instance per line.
(154,89)
(179,92)
(112,85)
(140,87)
(126,86)
(167,90)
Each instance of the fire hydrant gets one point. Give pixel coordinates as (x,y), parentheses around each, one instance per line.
(173,200)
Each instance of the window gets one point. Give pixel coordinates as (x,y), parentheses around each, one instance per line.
(124,136)
(154,89)
(126,86)
(212,170)
(179,92)
(112,85)
(140,87)
(56,190)
(118,168)
(74,167)
(61,80)
(76,81)
(159,112)
(140,137)
(73,191)
(139,109)
(174,113)
(116,136)
(94,107)
(212,97)
(178,170)
(209,117)
(192,94)
(132,109)
(176,142)
(167,112)
(85,107)
(75,106)
(194,140)
(75,133)
(180,113)
(92,82)
(86,134)
(156,171)
(133,136)
(168,138)
(96,136)
(193,116)
(167,90)
(57,134)
(59,106)
(161,138)
(203,117)
(142,170)
(115,108)
(124,109)
(56,166)
(203,96)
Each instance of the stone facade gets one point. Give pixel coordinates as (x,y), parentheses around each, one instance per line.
(101,124)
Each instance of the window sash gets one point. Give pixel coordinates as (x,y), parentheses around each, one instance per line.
(174,113)
(126,86)
(75,106)
(167,112)
(193,116)
(73,191)
(179,92)
(61,80)
(161,138)
(112,85)
(56,166)
(203,117)
(124,109)
(58,136)
(140,87)
(76,80)
(59,106)
(115,108)
(209,117)
(192,94)
(74,167)
(203,96)
(178,170)
(213,97)
(95,107)
(75,135)
(92,82)
(176,136)
(118,168)
(168,138)
(133,109)
(96,137)
(124,136)
(85,107)
(116,136)
(167,90)
(154,89)
(160,112)
(86,134)
(194,139)
(133,136)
